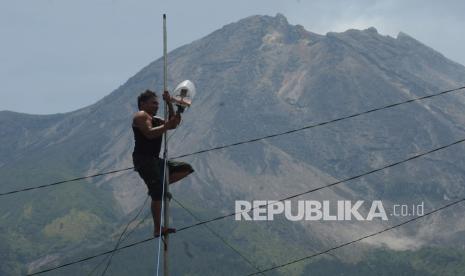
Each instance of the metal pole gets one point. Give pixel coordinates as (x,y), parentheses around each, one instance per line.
(165,155)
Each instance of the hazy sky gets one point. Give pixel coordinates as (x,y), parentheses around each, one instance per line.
(60,55)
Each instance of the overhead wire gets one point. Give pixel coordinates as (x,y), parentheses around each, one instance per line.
(73,179)
(307,257)
(359,239)
(416,156)
(332,184)
(122,234)
(199,220)
(127,236)
(248,141)
(317,124)
(65,181)
(218,236)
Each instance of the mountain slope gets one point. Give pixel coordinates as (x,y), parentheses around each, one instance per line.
(255,77)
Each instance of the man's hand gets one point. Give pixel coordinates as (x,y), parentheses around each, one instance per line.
(173,122)
(166,96)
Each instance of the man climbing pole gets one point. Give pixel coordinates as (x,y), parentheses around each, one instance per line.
(148,131)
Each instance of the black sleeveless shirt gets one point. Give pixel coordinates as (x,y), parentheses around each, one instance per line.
(145,146)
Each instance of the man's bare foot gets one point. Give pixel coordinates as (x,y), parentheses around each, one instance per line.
(156,232)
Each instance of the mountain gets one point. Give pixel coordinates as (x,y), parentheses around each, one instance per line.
(254,77)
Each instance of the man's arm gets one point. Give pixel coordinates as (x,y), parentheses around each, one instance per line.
(144,123)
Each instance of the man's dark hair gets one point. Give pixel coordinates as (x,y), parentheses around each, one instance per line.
(144,96)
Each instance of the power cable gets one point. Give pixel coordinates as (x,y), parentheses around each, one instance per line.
(248,141)
(289,197)
(332,184)
(317,124)
(361,238)
(65,181)
(218,236)
(121,236)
